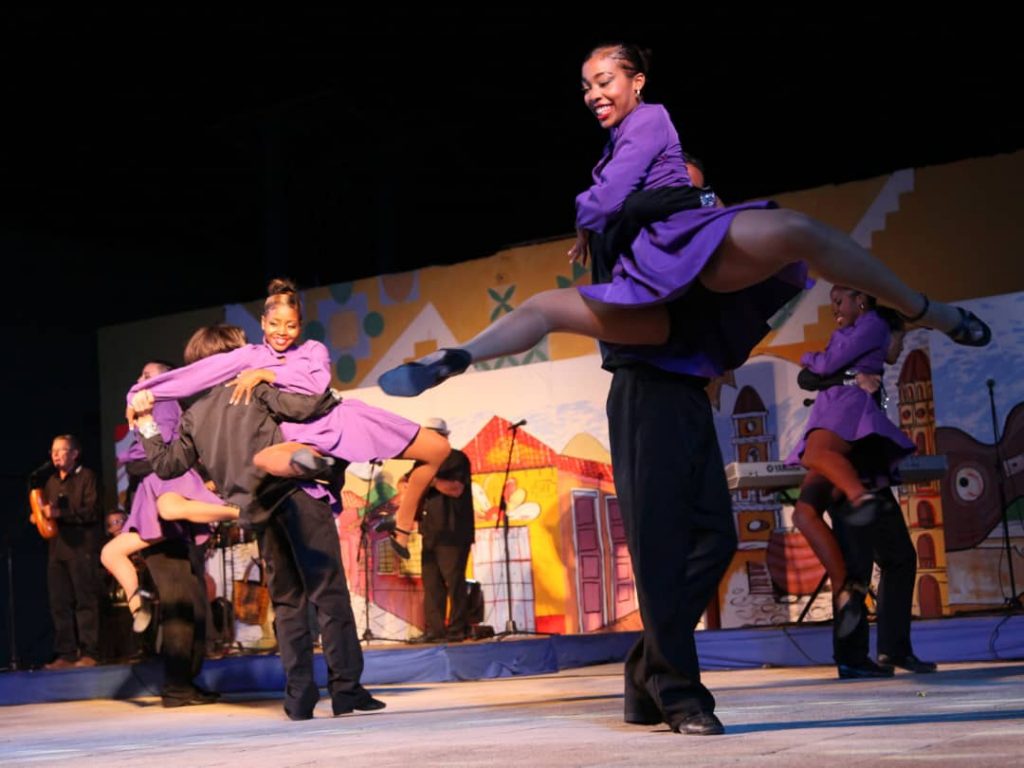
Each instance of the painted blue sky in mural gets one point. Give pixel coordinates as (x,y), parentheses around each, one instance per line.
(959,373)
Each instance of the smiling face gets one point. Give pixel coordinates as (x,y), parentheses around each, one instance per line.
(609,91)
(847,305)
(281,326)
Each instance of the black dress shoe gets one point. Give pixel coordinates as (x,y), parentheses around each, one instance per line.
(700,724)
(866,668)
(195,699)
(210,696)
(368,704)
(910,662)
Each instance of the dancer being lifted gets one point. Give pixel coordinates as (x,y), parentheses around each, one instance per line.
(353,431)
(740,263)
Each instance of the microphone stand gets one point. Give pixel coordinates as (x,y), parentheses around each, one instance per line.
(510,624)
(1013,602)
(14,663)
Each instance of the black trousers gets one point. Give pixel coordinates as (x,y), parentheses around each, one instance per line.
(74,588)
(886,542)
(444,579)
(183,611)
(300,544)
(679,529)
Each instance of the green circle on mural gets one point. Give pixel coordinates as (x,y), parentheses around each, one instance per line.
(341,292)
(314,330)
(373,324)
(345,368)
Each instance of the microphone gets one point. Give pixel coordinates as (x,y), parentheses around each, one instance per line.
(991,383)
(44,467)
(517,425)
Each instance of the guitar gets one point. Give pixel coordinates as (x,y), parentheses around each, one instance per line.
(47,527)
(971,506)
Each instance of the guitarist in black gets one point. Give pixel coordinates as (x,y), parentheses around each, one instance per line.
(71,497)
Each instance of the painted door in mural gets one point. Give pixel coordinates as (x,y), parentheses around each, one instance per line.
(623,588)
(590,595)
(489,570)
(929,597)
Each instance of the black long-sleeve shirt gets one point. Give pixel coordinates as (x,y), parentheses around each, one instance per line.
(448,520)
(225,437)
(77,498)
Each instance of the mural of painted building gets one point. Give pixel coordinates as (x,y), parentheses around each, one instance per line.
(922,502)
(774,571)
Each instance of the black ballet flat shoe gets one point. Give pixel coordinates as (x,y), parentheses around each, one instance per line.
(312,466)
(390,527)
(411,379)
(850,614)
(864,511)
(143,615)
(971,331)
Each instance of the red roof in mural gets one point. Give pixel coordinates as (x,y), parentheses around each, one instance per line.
(916,368)
(748,401)
(488,452)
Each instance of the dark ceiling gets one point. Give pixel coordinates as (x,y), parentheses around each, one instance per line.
(175,159)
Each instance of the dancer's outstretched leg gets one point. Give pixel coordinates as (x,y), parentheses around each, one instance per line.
(816,494)
(827,454)
(760,242)
(559,310)
(174,506)
(116,558)
(294,460)
(428,449)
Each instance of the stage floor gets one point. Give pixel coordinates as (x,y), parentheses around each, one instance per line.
(968,714)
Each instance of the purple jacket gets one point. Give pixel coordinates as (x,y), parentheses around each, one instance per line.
(304,369)
(860,347)
(643,152)
(166,414)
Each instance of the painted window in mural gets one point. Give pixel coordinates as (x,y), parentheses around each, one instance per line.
(489,570)
(623,588)
(589,560)
(926,514)
(926,551)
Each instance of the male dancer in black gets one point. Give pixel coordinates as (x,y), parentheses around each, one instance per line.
(886,542)
(675,504)
(299,540)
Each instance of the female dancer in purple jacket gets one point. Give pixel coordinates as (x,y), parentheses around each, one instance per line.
(750,255)
(353,431)
(845,418)
(161,509)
